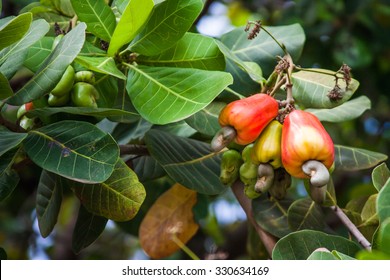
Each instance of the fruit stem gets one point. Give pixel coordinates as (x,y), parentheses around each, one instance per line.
(283,47)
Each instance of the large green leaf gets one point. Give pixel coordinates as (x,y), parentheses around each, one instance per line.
(311,89)
(271,215)
(263,49)
(383,205)
(347,111)
(97,15)
(254,72)
(12,58)
(5,88)
(166,94)
(206,120)
(187,161)
(299,245)
(147,168)
(9,178)
(38,53)
(105,65)
(84,111)
(169,21)
(75,150)
(118,198)
(9,140)
(64,6)
(14,29)
(87,229)
(321,255)
(191,51)
(132,20)
(49,74)
(353,159)
(48,201)
(380,175)
(123,103)
(305,214)
(384,236)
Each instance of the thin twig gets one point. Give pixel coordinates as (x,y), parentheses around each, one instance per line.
(268,240)
(352,228)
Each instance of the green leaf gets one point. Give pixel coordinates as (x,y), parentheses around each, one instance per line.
(299,245)
(187,161)
(169,21)
(75,150)
(263,49)
(83,111)
(108,89)
(104,65)
(49,74)
(5,88)
(311,89)
(271,215)
(320,255)
(87,229)
(14,29)
(12,58)
(64,6)
(383,205)
(125,133)
(206,120)
(353,159)
(9,140)
(305,214)
(147,168)
(373,255)
(380,175)
(384,236)
(9,178)
(123,103)
(119,198)
(166,94)
(342,256)
(97,15)
(48,201)
(252,69)
(132,20)
(38,53)
(191,51)
(347,111)
(180,128)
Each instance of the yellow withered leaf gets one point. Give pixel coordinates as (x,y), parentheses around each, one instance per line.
(169,218)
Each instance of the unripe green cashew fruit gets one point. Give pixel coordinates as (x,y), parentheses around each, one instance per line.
(58,101)
(85,76)
(248,173)
(27,123)
(230,166)
(24,108)
(84,95)
(249,116)
(65,84)
(307,149)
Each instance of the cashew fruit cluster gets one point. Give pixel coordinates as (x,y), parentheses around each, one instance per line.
(272,152)
(73,89)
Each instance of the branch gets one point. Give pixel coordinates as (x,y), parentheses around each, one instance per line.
(268,240)
(133,149)
(351,227)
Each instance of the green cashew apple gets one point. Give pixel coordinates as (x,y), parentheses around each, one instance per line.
(65,84)
(84,95)
(58,101)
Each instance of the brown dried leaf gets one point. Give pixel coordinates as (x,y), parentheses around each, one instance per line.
(171,215)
